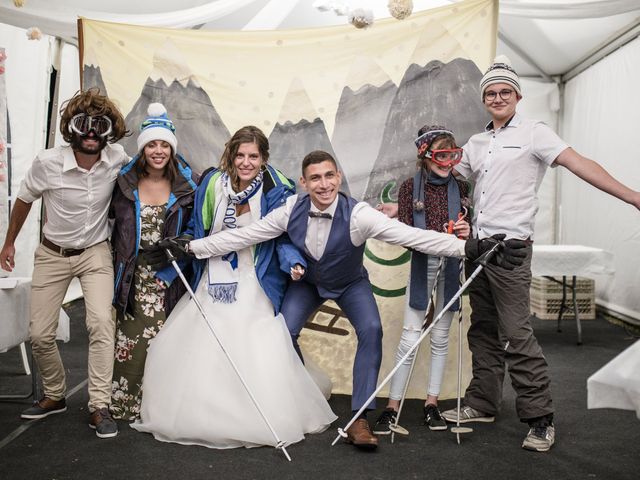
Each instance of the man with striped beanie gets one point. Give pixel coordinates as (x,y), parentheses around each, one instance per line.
(507,163)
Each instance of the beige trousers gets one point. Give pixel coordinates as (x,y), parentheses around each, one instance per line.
(51,277)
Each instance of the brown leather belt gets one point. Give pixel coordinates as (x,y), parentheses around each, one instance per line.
(65,252)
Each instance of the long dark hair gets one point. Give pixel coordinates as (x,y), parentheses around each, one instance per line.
(170,169)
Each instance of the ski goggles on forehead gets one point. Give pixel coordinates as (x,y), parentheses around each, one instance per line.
(82,124)
(445,158)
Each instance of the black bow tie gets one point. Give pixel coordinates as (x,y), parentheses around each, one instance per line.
(313,214)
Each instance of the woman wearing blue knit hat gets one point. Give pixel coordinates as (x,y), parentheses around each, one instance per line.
(153,199)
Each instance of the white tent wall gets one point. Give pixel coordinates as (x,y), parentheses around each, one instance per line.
(28,68)
(600,120)
(540,101)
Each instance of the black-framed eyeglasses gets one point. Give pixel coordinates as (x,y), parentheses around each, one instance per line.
(504,95)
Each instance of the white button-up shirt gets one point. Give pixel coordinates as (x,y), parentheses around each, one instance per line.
(366,222)
(76,200)
(507,166)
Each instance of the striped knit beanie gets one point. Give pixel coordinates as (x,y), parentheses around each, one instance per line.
(500,72)
(426,136)
(157,126)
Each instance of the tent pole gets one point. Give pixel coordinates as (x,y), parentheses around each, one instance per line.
(557,213)
(53,106)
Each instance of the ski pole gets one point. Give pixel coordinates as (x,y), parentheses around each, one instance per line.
(483,261)
(279,443)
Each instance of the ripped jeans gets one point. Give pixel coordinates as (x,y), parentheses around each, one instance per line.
(411,331)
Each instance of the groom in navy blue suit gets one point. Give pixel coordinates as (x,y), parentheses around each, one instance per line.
(337,273)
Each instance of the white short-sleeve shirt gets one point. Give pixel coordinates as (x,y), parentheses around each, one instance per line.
(507,167)
(76,200)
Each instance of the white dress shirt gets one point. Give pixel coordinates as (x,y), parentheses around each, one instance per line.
(366,222)
(507,166)
(76,200)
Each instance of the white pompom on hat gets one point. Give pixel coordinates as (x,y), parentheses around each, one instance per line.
(157,126)
(500,71)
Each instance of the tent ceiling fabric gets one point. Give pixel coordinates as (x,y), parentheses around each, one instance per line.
(554,35)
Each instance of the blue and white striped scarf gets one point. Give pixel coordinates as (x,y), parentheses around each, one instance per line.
(223,271)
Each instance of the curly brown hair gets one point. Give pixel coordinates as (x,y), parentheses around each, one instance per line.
(92,102)
(248,134)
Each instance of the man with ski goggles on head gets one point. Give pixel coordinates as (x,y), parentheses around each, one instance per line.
(75,182)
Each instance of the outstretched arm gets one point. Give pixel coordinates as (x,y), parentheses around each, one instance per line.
(369,223)
(268,227)
(594,174)
(19,214)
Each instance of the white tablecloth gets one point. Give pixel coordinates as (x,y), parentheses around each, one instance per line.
(617,384)
(569,260)
(15,297)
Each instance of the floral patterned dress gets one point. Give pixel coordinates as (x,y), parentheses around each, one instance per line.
(140,324)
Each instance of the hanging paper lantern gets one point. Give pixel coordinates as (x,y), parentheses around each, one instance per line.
(34,33)
(400,9)
(361,18)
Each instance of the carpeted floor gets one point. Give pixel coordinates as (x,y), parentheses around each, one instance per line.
(591,444)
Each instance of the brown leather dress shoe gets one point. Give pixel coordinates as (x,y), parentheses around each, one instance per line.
(359,434)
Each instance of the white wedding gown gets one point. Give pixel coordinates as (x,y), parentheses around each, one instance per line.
(191,395)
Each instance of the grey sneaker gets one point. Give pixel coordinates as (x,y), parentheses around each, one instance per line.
(540,439)
(103,424)
(467,414)
(433,418)
(386,418)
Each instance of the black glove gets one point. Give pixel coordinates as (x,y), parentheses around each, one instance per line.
(178,246)
(512,254)
(509,254)
(156,257)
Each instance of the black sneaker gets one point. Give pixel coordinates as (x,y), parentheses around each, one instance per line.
(44,408)
(433,419)
(103,424)
(386,418)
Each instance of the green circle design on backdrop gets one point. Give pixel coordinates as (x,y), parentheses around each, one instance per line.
(404,257)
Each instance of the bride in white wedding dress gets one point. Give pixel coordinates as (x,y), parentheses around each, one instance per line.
(191,394)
